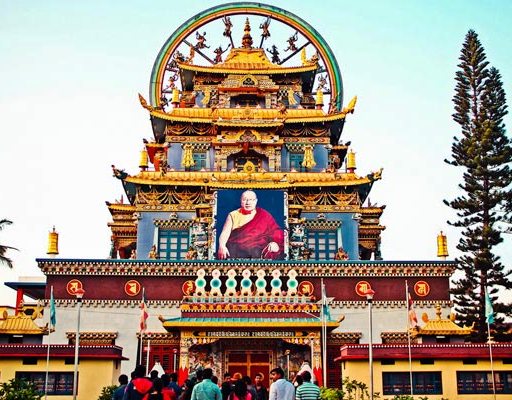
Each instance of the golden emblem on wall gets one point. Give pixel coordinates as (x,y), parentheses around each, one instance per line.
(132,288)
(73,286)
(362,287)
(422,288)
(188,288)
(305,288)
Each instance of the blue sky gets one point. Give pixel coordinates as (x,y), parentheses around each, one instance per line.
(71,71)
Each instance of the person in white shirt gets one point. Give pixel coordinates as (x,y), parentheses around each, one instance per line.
(280,389)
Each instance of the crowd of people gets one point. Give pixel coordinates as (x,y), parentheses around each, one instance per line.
(206,386)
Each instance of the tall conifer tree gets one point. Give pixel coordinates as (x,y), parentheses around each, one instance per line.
(484,152)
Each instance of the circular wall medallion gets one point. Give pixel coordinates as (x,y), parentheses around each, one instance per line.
(421,288)
(132,288)
(188,288)
(362,287)
(73,286)
(306,288)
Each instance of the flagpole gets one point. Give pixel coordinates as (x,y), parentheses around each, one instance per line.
(490,356)
(489,318)
(52,316)
(324,335)
(147,357)
(141,347)
(408,334)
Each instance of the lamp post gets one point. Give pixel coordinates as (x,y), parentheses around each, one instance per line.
(79,294)
(369,298)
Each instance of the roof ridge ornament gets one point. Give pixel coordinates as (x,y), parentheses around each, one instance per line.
(247,38)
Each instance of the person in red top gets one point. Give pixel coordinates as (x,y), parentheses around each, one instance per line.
(140,386)
(167,392)
(251,232)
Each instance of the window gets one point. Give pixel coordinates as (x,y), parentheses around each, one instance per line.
(387,361)
(469,361)
(199,161)
(480,382)
(172,244)
(29,361)
(59,383)
(323,243)
(426,361)
(296,161)
(395,383)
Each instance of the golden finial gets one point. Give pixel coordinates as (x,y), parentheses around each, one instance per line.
(303,57)
(143,160)
(319,101)
(438,311)
(442,246)
(247,38)
(53,243)
(351,162)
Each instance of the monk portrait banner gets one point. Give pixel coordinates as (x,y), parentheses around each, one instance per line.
(250,224)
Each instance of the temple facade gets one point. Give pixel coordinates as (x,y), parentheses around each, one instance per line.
(247,233)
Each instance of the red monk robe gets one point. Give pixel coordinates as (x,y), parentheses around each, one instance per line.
(250,240)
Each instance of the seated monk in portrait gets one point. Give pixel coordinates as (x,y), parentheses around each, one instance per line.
(251,232)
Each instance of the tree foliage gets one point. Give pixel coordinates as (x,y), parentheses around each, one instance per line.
(3,249)
(18,389)
(107,392)
(483,151)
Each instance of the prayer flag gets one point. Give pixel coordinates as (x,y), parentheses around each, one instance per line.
(413,319)
(53,313)
(144,313)
(489,312)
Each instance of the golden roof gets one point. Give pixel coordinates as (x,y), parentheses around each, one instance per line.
(441,326)
(256,180)
(248,61)
(20,324)
(242,115)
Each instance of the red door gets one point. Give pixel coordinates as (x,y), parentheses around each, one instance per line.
(249,363)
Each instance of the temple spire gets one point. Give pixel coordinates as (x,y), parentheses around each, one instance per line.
(247,38)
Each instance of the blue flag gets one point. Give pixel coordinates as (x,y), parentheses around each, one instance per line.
(53,314)
(489,312)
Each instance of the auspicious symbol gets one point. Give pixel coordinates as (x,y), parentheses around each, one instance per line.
(362,287)
(305,288)
(73,286)
(291,42)
(132,288)
(421,288)
(188,288)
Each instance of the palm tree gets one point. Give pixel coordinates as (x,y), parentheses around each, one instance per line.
(3,249)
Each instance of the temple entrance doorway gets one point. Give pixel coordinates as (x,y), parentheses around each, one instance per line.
(249,363)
